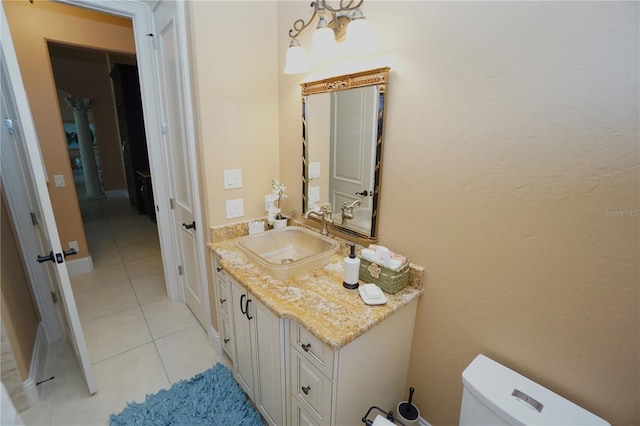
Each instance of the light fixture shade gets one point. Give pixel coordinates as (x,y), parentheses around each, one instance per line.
(359,38)
(324,42)
(296,62)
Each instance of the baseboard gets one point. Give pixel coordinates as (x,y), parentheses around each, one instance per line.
(80,266)
(215,341)
(36,369)
(116,193)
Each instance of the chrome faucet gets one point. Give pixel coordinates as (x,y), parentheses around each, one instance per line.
(347,210)
(324,214)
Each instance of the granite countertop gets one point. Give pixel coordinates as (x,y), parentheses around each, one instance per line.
(316,300)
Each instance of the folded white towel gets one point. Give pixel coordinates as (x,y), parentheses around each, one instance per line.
(368,254)
(381,421)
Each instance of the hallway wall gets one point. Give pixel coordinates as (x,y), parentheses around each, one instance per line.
(31,25)
(85,74)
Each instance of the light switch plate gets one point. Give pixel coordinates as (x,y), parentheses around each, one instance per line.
(314,170)
(232,179)
(314,195)
(58,180)
(235,208)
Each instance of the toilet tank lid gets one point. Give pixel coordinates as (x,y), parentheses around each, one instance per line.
(494,385)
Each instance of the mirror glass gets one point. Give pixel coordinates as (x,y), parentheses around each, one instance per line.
(342,134)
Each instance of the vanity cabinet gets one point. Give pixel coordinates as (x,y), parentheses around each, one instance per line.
(295,377)
(223,304)
(337,387)
(259,356)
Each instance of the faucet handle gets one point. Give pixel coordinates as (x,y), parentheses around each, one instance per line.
(327,208)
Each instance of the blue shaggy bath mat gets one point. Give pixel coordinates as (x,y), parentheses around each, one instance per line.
(209,398)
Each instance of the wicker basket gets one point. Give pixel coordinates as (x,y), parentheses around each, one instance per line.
(389,280)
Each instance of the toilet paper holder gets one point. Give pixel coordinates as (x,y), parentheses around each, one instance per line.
(388,415)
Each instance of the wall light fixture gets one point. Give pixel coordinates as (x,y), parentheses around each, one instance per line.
(347,24)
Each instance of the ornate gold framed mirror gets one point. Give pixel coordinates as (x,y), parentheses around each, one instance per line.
(342,144)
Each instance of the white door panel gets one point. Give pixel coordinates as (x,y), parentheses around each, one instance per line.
(179,162)
(352,141)
(20,150)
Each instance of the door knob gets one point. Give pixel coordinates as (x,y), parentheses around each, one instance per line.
(69,252)
(50,257)
(190,225)
(364,193)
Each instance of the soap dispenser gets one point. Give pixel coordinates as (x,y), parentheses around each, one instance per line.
(351,269)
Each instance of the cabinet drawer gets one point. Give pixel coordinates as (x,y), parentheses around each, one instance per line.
(224,298)
(310,388)
(312,349)
(227,336)
(300,416)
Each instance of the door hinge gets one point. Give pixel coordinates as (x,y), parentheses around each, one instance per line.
(171,204)
(54,296)
(34,219)
(153,41)
(163,127)
(179,269)
(9,124)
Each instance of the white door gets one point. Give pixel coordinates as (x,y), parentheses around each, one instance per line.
(353,136)
(176,117)
(23,171)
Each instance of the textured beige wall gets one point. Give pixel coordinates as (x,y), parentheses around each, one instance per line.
(31,25)
(19,314)
(511,138)
(236,101)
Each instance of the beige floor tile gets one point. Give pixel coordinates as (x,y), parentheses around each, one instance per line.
(138,251)
(132,238)
(144,267)
(123,378)
(105,301)
(106,258)
(60,361)
(101,244)
(151,288)
(115,333)
(182,363)
(166,317)
(99,278)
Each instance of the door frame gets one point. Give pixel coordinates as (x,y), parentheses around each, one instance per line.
(143,25)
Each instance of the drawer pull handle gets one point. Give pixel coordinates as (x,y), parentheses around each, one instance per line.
(306,346)
(306,389)
(226,341)
(219,269)
(222,301)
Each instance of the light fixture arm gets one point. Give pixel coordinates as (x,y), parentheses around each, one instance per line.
(319,7)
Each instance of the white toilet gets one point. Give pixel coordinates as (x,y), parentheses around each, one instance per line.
(496,395)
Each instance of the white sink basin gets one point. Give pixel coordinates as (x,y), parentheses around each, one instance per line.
(287,252)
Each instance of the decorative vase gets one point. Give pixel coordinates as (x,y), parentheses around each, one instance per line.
(279,223)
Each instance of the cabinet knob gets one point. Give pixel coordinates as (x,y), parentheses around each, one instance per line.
(306,389)
(306,346)
(222,301)
(219,269)
(226,341)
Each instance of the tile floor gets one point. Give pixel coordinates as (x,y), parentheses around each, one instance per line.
(138,341)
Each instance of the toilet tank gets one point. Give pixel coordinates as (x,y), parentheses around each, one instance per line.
(496,395)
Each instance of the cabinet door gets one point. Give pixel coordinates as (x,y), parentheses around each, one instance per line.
(268,355)
(242,360)
(228,342)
